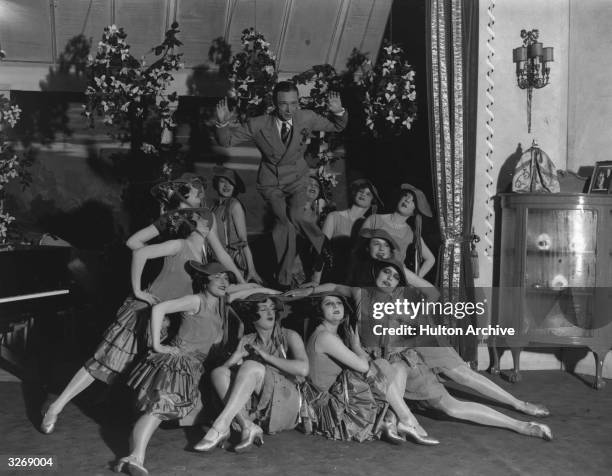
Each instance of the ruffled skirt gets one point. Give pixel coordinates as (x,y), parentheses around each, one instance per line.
(122,343)
(350,408)
(167,385)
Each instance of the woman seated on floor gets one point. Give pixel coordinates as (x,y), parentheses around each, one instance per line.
(420,382)
(347,392)
(259,381)
(437,354)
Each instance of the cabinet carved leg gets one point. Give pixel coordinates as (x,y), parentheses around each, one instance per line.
(600,355)
(515,373)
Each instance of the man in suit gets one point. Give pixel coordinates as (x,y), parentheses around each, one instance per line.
(282,178)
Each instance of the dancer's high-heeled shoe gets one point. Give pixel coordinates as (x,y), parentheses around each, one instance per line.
(133,465)
(208,443)
(411,431)
(535,409)
(388,433)
(47,426)
(252,436)
(539,430)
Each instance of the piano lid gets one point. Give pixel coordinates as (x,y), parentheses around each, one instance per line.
(34,269)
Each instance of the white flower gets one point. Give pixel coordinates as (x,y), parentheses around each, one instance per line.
(269,69)
(388,49)
(407,123)
(148,148)
(391,87)
(409,76)
(391,117)
(389,97)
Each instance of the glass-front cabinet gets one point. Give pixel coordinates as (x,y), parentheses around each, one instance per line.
(555,273)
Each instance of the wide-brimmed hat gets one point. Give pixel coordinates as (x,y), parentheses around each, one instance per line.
(164,190)
(358,184)
(230,175)
(383,263)
(261,297)
(422,205)
(207,269)
(257,298)
(348,309)
(369,233)
(188,212)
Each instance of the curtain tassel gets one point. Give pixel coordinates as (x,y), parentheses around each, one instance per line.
(474,256)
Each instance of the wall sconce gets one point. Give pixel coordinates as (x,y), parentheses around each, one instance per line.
(532,66)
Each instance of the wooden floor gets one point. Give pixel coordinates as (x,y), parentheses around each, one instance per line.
(92,432)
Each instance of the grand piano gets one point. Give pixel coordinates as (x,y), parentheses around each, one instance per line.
(35,292)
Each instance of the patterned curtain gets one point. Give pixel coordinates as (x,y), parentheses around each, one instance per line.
(452,85)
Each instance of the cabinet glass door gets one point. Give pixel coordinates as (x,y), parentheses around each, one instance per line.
(560,270)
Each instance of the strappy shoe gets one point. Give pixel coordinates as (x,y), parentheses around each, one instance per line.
(411,431)
(535,409)
(207,444)
(252,436)
(133,466)
(47,426)
(539,430)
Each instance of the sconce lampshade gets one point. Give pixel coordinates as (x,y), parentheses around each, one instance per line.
(547,54)
(519,54)
(535,49)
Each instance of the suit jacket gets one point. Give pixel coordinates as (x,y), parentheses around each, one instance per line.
(280,166)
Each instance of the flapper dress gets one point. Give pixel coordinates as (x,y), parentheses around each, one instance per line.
(343,404)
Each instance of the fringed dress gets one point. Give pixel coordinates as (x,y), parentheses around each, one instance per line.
(277,406)
(167,385)
(343,404)
(128,336)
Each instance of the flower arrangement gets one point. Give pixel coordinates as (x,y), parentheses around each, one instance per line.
(252,76)
(321,79)
(12,165)
(389,95)
(129,94)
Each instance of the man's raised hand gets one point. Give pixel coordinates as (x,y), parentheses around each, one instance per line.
(222,112)
(334,102)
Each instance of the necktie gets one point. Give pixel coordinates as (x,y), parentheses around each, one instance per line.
(285,132)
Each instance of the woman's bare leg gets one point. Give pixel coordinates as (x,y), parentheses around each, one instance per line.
(466,376)
(249,379)
(484,415)
(221,379)
(395,397)
(81,380)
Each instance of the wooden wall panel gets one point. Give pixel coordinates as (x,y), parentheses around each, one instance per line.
(73,17)
(376,27)
(200,22)
(144,22)
(309,33)
(364,17)
(266,16)
(25,30)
